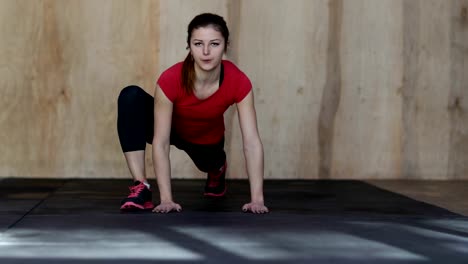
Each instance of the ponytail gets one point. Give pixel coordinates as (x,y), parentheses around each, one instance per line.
(188,75)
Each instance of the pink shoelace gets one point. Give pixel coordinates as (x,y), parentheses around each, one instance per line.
(136,190)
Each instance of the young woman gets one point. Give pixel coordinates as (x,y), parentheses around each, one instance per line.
(187,112)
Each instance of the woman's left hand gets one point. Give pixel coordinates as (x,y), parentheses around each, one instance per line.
(255,207)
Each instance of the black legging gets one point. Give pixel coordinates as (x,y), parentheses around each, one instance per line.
(135,127)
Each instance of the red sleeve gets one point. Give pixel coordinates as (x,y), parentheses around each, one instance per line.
(245,86)
(169,83)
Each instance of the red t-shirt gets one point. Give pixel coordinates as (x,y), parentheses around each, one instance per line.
(201,121)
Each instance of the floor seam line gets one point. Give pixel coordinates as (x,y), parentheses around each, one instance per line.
(34,207)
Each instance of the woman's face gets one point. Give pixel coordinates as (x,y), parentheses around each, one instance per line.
(207,47)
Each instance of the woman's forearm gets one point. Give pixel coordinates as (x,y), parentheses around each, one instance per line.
(254,162)
(162,169)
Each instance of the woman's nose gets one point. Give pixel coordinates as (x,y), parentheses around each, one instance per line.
(206,50)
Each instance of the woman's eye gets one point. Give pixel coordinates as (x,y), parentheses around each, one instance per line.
(197,44)
(215,44)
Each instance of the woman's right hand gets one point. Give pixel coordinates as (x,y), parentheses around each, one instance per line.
(166,207)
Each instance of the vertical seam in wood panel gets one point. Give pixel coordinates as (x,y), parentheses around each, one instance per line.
(233,21)
(456,168)
(411,29)
(452,104)
(332,91)
(50,64)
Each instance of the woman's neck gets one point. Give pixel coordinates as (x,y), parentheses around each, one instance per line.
(207,77)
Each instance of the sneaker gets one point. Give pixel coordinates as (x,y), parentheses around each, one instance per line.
(140,198)
(216,182)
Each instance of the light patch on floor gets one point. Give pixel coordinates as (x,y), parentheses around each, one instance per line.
(450,241)
(452,224)
(432,230)
(89,244)
(270,245)
(435,234)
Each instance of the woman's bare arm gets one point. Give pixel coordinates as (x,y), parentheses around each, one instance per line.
(161,146)
(253,152)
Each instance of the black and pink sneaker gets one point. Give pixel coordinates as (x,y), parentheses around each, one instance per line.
(140,198)
(216,182)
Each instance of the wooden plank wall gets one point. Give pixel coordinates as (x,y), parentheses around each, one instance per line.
(357,89)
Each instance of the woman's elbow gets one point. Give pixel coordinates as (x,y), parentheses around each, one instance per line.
(253,144)
(160,145)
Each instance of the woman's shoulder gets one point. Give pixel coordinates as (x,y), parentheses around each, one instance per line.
(173,70)
(232,69)
(229,65)
(169,81)
(239,81)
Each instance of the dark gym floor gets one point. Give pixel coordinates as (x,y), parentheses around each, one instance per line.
(319,221)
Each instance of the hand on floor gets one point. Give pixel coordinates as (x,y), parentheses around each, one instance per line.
(166,207)
(255,207)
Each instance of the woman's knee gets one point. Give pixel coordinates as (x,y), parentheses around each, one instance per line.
(130,95)
(212,163)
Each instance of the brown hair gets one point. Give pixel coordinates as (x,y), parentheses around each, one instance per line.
(202,20)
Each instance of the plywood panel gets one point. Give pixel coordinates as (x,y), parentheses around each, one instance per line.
(65,62)
(367,130)
(343,89)
(17,106)
(281,49)
(426,89)
(458,98)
